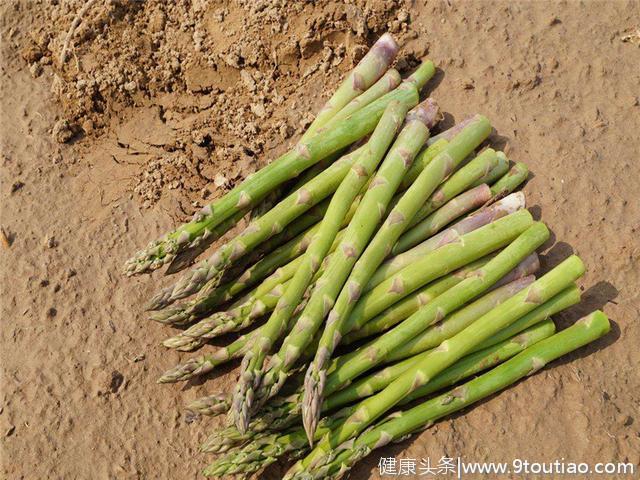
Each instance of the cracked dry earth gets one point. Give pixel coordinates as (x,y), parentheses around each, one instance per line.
(163,106)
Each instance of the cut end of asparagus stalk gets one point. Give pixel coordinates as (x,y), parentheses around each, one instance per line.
(427,112)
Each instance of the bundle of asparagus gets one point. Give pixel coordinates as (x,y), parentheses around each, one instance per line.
(389,264)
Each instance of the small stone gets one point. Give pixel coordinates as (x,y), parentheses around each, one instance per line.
(16,186)
(35,69)
(44,282)
(468,85)
(248,80)
(71,273)
(10,431)
(52,312)
(52,242)
(62,131)
(131,86)
(258,110)
(626,420)
(87,126)
(117,379)
(220,180)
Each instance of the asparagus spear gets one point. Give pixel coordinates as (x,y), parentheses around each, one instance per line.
(453,348)
(411,250)
(359,230)
(305,154)
(397,221)
(451,132)
(362,169)
(459,181)
(510,180)
(394,427)
(421,161)
(566,298)
(459,320)
(211,405)
(233,320)
(501,167)
(407,307)
(389,81)
(459,252)
(257,231)
(264,448)
(206,363)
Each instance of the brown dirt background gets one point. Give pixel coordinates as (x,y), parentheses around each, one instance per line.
(166,105)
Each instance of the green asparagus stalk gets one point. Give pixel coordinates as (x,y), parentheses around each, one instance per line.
(233,320)
(453,348)
(412,250)
(407,307)
(421,161)
(205,363)
(451,132)
(388,82)
(256,232)
(315,145)
(448,257)
(566,298)
(386,181)
(362,169)
(456,207)
(185,258)
(458,320)
(501,167)
(211,405)
(510,180)
(459,181)
(526,363)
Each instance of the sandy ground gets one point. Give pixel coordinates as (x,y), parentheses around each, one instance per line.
(178,112)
